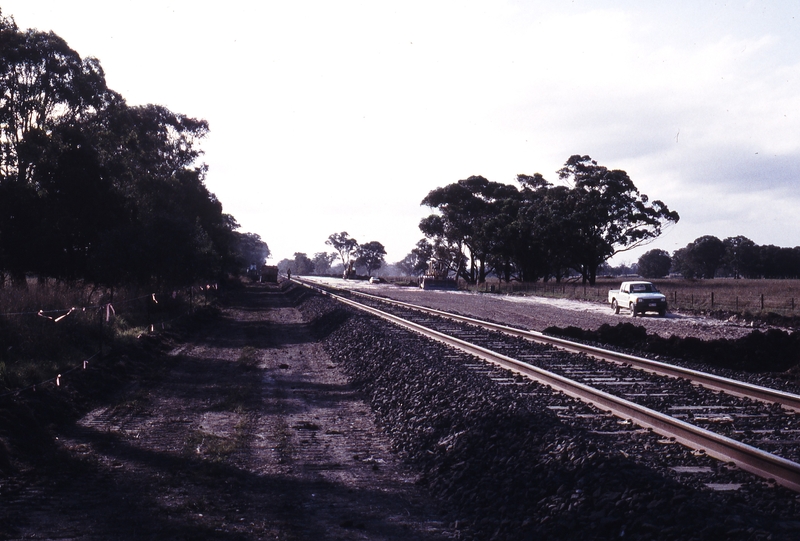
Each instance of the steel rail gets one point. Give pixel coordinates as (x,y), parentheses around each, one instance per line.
(710,381)
(746,457)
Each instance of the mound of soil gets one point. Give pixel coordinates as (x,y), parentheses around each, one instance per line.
(773,350)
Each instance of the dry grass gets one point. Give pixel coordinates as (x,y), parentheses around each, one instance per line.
(48,328)
(741,296)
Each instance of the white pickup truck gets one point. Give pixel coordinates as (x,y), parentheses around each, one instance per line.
(638,297)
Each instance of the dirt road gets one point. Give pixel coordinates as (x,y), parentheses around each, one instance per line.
(245,431)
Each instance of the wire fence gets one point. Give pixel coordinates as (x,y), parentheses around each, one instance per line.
(92,325)
(678,298)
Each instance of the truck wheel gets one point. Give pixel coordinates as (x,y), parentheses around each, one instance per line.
(615,306)
(662,313)
(633,309)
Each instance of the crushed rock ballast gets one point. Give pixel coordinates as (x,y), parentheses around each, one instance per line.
(507,467)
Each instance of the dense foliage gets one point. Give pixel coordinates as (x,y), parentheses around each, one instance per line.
(371,256)
(539,231)
(94,189)
(737,257)
(654,264)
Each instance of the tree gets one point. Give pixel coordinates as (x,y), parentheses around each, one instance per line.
(416,262)
(178,232)
(371,256)
(344,245)
(546,238)
(93,189)
(464,222)
(322,262)
(44,84)
(700,258)
(655,264)
(779,262)
(285,265)
(251,250)
(608,214)
(741,257)
(46,90)
(302,264)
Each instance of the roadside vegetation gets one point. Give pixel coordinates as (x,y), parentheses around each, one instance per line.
(97,192)
(49,329)
(107,229)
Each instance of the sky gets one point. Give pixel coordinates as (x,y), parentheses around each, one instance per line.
(341,116)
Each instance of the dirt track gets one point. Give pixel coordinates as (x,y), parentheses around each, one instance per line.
(246,431)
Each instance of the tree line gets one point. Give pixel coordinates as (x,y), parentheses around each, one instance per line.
(96,190)
(368,257)
(537,230)
(735,257)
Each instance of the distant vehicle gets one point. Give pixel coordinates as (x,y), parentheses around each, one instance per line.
(638,297)
(375,280)
(268,273)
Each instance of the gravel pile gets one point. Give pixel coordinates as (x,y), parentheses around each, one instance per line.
(506,466)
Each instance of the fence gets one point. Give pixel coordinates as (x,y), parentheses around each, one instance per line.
(51,340)
(678,298)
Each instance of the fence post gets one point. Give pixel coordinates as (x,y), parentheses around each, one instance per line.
(762,302)
(101,332)
(712,300)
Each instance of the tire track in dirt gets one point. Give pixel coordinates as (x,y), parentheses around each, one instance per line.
(248,431)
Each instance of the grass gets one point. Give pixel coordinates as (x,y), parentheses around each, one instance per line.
(720,294)
(48,327)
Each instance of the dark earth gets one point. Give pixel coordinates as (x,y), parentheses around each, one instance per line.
(286,416)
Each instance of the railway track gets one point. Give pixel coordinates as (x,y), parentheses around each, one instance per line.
(756,428)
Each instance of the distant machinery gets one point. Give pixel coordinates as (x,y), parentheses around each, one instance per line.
(436,277)
(268,273)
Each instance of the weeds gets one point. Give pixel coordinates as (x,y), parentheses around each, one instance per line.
(48,328)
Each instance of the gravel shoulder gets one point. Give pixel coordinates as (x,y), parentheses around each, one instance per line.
(538,313)
(247,430)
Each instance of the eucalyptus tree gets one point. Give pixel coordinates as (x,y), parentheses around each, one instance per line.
(43,84)
(701,258)
(741,257)
(345,246)
(608,215)
(654,264)
(252,252)
(46,92)
(175,228)
(302,264)
(322,262)
(417,261)
(371,255)
(93,189)
(467,220)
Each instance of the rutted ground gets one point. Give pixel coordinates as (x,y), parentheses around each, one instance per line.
(247,431)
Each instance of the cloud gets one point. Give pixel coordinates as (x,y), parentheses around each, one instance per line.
(330,116)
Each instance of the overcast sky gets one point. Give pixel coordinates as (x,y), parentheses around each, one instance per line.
(331,116)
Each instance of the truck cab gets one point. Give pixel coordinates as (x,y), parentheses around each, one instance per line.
(638,297)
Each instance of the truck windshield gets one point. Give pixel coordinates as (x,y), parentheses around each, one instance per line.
(643,288)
